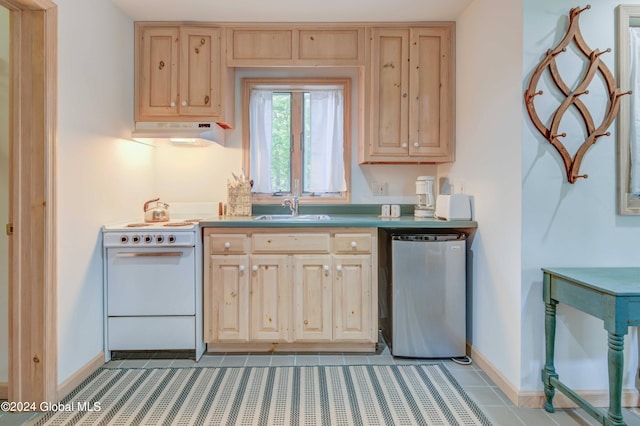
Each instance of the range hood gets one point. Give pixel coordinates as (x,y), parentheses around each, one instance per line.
(184,133)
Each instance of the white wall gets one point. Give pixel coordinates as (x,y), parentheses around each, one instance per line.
(200,173)
(102,176)
(488,163)
(564,224)
(4,192)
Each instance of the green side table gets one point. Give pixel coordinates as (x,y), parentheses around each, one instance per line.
(611,294)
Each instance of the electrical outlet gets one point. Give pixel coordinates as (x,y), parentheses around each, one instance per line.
(378,188)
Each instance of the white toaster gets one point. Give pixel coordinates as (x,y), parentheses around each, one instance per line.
(453,207)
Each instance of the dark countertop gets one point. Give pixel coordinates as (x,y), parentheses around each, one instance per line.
(350,215)
(343,220)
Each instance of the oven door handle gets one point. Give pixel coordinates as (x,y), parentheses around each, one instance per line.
(151,254)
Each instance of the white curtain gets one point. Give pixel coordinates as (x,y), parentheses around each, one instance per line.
(260,113)
(634,42)
(326,172)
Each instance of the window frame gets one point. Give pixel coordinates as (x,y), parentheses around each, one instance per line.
(298,84)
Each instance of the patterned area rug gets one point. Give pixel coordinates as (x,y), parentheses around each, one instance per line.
(318,395)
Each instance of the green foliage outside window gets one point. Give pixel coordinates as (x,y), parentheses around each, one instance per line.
(281,147)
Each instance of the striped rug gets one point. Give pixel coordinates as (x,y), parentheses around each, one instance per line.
(314,395)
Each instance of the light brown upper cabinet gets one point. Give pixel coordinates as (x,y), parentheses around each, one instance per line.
(411,113)
(295,46)
(180,74)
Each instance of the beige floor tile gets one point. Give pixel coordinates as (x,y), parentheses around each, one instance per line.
(210,361)
(484,396)
(307,360)
(503,416)
(278,360)
(537,417)
(331,360)
(16,419)
(469,378)
(234,361)
(182,363)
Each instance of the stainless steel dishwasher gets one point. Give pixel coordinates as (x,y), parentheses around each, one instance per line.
(428,296)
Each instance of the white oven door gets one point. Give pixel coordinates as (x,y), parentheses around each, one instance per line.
(151,281)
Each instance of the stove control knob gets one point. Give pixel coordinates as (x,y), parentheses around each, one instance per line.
(148,239)
(159,239)
(124,239)
(135,239)
(171,239)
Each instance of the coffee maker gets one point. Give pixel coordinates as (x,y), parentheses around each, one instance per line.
(426,198)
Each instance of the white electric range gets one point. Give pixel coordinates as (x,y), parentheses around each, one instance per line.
(153,286)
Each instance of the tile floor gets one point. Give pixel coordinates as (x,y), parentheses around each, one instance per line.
(474,381)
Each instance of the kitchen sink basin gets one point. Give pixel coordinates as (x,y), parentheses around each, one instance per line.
(299,218)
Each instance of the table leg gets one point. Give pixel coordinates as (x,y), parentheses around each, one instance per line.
(550,338)
(616,362)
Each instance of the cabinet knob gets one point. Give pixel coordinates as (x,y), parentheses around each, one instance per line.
(416,144)
(184,103)
(227,244)
(325,267)
(254,268)
(354,244)
(339,268)
(173,104)
(241,268)
(404,145)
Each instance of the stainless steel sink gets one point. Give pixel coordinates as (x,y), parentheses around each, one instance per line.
(299,218)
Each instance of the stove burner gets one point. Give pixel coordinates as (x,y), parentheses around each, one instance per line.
(192,220)
(178,224)
(137,225)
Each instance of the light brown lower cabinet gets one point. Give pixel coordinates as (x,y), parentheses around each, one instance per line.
(312,289)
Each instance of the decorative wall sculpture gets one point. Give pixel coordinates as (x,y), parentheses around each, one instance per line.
(572,96)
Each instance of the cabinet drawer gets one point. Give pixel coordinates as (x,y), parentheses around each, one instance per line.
(291,243)
(352,243)
(227,243)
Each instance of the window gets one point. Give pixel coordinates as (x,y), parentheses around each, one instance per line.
(296,138)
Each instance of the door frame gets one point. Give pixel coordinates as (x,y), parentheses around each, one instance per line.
(32,148)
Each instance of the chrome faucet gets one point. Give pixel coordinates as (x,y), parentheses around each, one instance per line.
(292,203)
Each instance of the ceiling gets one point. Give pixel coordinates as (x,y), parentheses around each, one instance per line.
(292,10)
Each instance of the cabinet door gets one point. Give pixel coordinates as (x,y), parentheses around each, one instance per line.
(158,72)
(331,46)
(270,298)
(252,47)
(226,310)
(352,294)
(389,97)
(431,94)
(312,297)
(200,80)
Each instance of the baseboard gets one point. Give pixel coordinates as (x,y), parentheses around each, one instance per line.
(496,376)
(536,399)
(79,376)
(4,390)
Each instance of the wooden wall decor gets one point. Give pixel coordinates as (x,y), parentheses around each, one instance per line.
(572,96)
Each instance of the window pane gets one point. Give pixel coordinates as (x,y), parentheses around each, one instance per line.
(281,148)
(306,158)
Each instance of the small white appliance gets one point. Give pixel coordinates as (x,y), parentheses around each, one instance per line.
(425,192)
(453,207)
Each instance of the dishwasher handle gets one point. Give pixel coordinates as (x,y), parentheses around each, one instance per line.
(429,237)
